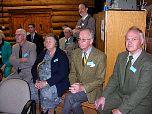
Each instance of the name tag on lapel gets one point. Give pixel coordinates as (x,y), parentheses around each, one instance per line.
(25,55)
(133,69)
(55,60)
(91,64)
(68,43)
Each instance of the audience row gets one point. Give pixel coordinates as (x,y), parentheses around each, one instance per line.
(78,68)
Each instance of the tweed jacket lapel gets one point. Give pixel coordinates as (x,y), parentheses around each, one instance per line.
(137,65)
(62,43)
(79,62)
(137,62)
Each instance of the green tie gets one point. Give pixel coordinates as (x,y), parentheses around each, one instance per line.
(127,73)
(84,59)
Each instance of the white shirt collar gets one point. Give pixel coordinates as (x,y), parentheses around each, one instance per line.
(87,53)
(83,18)
(135,56)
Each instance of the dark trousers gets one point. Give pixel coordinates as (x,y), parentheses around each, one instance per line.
(72,103)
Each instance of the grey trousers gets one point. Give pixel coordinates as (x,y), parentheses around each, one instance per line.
(72,103)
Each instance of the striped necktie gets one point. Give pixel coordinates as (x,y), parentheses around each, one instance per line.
(84,59)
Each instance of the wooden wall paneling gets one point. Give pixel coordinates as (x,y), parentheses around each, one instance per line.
(58,25)
(21,18)
(43,22)
(16,22)
(6,14)
(45,2)
(54,7)
(57,31)
(7,26)
(65,13)
(6,32)
(148,2)
(65,18)
(149,45)
(6,20)
(59,8)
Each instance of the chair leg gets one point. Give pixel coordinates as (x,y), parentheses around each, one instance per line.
(33,107)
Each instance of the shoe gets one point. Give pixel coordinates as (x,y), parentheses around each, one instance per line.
(42,112)
(46,112)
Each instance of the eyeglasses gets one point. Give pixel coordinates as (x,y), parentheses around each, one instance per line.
(83,40)
(18,34)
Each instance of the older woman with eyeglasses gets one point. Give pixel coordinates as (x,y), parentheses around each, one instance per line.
(52,68)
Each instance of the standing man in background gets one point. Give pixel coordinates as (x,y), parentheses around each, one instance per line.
(23,56)
(35,38)
(86,21)
(86,76)
(129,90)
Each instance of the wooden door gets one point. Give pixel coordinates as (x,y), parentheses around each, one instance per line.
(21,19)
(43,23)
(16,22)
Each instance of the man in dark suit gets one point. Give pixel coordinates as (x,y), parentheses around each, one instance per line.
(129,90)
(35,38)
(87,72)
(86,21)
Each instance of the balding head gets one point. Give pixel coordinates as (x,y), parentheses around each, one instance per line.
(20,36)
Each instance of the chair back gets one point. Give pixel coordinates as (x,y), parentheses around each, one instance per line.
(14,94)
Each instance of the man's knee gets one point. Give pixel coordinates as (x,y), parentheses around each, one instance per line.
(100,111)
(76,105)
(69,98)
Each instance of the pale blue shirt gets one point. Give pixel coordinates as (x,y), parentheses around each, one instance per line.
(87,53)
